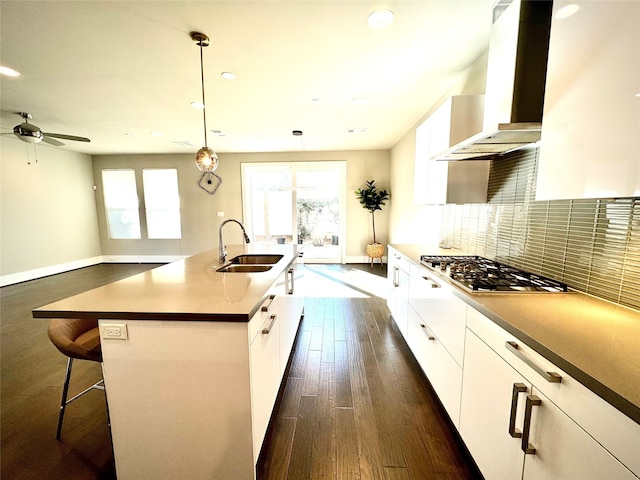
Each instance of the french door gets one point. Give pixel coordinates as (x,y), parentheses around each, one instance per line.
(297,202)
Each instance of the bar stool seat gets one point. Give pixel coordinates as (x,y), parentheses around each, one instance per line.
(77,339)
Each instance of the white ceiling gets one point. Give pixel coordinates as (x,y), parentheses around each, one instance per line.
(101,69)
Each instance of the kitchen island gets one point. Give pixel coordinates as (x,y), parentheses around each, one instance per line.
(192,384)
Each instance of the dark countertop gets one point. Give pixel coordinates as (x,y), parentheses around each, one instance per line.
(595,341)
(189,289)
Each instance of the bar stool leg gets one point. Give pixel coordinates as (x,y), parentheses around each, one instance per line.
(63,402)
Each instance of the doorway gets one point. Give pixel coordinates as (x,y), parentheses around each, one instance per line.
(301,202)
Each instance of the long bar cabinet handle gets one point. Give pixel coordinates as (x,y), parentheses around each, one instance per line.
(291,272)
(429,335)
(532,401)
(267,330)
(265,308)
(551,377)
(518,388)
(396,271)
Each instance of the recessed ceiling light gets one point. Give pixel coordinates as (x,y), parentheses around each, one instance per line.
(567,11)
(198,105)
(315,101)
(380,18)
(219,133)
(228,76)
(360,100)
(155,134)
(183,143)
(9,72)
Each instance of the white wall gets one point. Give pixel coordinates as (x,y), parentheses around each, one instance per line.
(410,223)
(200,222)
(48,211)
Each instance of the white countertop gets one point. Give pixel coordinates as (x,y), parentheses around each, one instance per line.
(189,289)
(595,341)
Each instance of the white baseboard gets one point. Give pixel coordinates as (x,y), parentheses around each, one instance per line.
(365,259)
(46,271)
(86,262)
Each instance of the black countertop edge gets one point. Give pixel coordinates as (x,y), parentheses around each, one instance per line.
(178,316)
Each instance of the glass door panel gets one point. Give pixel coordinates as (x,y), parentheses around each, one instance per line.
(297,201)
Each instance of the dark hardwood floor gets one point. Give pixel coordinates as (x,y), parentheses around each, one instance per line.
(354,406)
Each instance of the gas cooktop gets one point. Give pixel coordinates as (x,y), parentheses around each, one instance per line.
(479,274)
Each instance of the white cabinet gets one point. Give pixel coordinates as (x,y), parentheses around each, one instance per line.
(439,182)
(264,355)
(590,145)
(435,334)
(444,374)
(398,293)
(436,304)
(515,409)
(489,384)
(290,291)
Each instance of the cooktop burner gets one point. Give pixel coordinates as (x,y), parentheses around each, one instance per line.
(480,274)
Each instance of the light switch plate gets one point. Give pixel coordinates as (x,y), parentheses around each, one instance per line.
(114,331)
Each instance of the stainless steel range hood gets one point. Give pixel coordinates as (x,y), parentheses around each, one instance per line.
(516,72)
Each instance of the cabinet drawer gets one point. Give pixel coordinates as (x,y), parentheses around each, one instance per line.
(268,307)
(444,313)
(444,374)
(613,430)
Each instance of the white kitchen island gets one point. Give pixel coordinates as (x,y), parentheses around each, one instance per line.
(191,388)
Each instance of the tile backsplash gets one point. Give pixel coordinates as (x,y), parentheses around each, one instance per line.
(593,245)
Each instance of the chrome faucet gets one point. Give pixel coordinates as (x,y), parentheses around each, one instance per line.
(222,248)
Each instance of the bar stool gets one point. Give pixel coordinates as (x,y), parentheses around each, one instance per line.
(77,339)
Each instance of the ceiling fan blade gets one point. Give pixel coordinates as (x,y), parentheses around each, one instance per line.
(52,141)
(66,137)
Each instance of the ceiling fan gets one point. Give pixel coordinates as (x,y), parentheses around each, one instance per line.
(30,133)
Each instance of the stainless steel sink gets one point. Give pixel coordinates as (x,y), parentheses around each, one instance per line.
(255,259)
(235,268)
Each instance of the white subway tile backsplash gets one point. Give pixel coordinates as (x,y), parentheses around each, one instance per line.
(593,245)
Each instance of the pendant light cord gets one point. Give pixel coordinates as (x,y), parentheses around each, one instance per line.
(204,107)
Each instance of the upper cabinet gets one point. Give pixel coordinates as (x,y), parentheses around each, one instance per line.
(439,182)
(590,145)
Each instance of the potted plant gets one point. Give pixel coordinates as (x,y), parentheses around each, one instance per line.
(373,199)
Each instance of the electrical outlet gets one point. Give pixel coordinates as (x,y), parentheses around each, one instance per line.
(117,331)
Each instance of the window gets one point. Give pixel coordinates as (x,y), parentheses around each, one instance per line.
(162,203)
(121,203)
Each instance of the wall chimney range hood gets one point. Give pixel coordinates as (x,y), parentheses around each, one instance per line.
(516,71)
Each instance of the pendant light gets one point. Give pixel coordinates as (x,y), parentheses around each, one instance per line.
(206,159)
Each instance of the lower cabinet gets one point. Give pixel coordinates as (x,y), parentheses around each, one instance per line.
(435,334)
(520,416)
(264,356)
(511,428)
(444,374)
(290,291)
(398,293)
